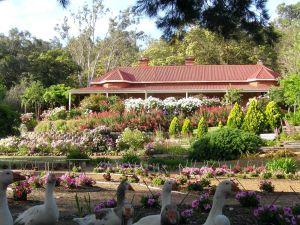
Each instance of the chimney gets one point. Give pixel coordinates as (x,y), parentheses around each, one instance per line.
(189,61)
(143,61)
(259,62)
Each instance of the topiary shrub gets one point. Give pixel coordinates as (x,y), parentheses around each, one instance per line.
(254,120)
(186,127)
(235,118)
(273,115)
(202,127)
(174,127)
(224,144)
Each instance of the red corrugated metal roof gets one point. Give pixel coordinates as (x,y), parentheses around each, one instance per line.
(168,88)
(193,73)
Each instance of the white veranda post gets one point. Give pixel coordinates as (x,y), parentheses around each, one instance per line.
(70,100)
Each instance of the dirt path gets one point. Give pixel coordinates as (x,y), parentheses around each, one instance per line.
(237,214)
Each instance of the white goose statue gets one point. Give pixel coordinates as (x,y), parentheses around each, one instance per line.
(165,200)
(109,216)
(6,178)
(215,216)
(46,214)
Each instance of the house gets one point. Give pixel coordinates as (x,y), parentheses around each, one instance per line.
(182,81)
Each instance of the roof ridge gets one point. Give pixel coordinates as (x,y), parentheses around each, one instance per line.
(256,73)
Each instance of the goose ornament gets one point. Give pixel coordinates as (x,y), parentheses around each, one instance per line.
(215,216)
(165,200)
(6,178)
(45,214)
(109,216)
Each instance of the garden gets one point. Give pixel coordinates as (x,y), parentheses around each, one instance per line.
(196,141)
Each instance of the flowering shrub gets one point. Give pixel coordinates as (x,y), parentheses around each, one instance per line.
(68,181)
(266,186)
(277,215)
(204,204)
(110,203)
(185,215)
(194,186)
(248,198)
(35,181)
(149,201)
(20,190)
(28,120)
(83,180)
(55,114)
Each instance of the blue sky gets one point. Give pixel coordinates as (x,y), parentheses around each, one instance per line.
(40,16)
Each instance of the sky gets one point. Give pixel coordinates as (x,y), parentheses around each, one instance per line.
(39,17)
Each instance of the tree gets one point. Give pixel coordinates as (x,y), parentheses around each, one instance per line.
(53,67)
(254,120)
(288,25)
(235,118)
(9,121)
(57,95)
(291,89)
(33,97)
(227,18)
(186,127)
(202,127)
(273,115)
(174,127)
(93,53)
(64,3)
(3,91)
(232,96)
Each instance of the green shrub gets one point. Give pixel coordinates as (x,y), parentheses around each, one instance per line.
(9,121)
(96,103)
(131,139)
(186,127)
(235,118)
(220,125)
(75,153)
(170,149)
(96,161)
(158,181)
(73,113)
(273,115)
(282,165)
(43,126)
(60,125)
(130,157)
(254,120)
(225,144)
(202,127)
(174,127)
(170,163)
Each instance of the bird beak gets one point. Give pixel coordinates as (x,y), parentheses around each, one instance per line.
(130,188)
(18,177)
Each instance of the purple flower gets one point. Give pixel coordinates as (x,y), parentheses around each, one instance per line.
(98,207)
(195,203)
(187,213)
(207,206)
(151,201)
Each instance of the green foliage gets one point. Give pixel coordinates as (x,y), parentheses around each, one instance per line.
(3,91)
(33,96)
(9,121)
(254,120)
(224,144)
(95,102)
(57,95)
(170,149)
(202,127)
(158,181)
(232,96)
(131,139)
(282,165)
(186,127)
(76,153)
(273,115)
(174,127)
(43,127)
(220,125)
(170,162)
(235,118)
(291,88)
(131,157)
